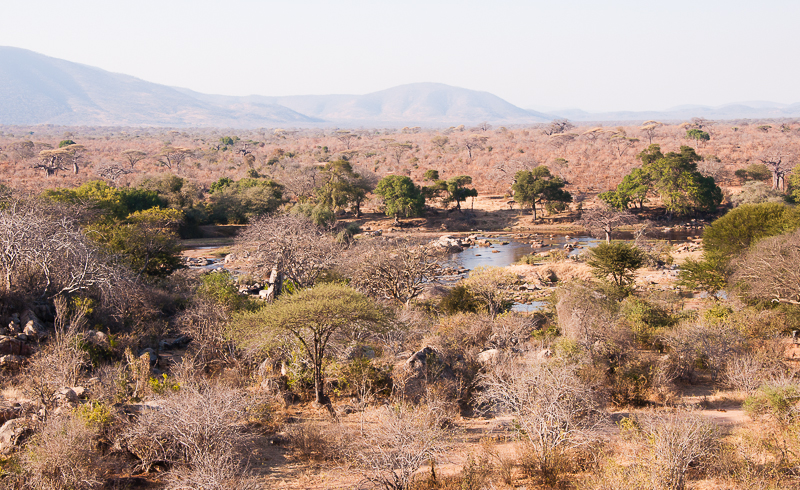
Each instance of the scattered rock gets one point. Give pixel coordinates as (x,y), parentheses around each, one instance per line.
(11,362)
(33,326)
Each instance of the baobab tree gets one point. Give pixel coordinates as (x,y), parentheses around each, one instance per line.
(779,161)
(604,220)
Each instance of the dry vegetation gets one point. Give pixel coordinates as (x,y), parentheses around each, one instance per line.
(325,357)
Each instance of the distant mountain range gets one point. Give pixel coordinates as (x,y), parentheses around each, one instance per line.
(38,89)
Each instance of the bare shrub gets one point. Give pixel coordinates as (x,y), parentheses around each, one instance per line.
(60,362)
(204,322)
(61,456)
(187,427)
(401,440)
(676,441)
(746,372)
(212,471)
(553,409)
(320,441)
(586,317)
(706,345)
(771,269)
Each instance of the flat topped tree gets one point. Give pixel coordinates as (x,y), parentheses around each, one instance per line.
(314,318)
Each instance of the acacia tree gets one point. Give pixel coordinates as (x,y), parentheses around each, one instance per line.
(134,156)
(617,260)
(314,318)
(533,187)
(171,156)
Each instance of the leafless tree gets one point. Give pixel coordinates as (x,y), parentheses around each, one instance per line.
(134,156)
(771,269)
(474,142)
(553,409)
(291,245)
(558,126)
(113,171)
(299,180)
(402,440)
(779,160)
(397,271)
(604,220)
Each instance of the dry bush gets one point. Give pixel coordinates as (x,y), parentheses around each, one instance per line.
(61,455)
(587,317)
(554,411)
(319,441)
(746,372)
(701,345)
(390,450)
(60,362)
(674,442)
(204,322)
(187,426)
(212,471)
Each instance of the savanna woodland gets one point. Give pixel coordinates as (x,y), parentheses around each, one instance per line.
(281,308)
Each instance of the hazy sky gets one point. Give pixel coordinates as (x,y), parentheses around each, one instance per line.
(594,55)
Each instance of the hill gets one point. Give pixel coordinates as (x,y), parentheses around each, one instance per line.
(38,89)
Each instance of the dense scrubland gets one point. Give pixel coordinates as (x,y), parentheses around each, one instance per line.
(329,352)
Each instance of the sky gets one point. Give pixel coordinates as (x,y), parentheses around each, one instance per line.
(594,55)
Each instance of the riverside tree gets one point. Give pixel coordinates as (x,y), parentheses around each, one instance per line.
(538,186)
(401,197)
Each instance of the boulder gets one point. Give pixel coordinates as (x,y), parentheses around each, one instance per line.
(10,434)
(150,355)
(490,356)
(11,361)
(14,347)
(33,327)
(66,395)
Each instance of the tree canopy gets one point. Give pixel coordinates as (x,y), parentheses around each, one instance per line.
(673,177)
(401,197)
(538,186)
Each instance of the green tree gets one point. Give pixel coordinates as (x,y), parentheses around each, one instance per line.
(794,185)
(617,261)
(457,191)
(538,186)
(754,171)
(343,187)
(113,201)
(401,197)
(64,143)
(674,177)
(697,134)
(147,240)
(245,199)
(731,235)
(312,318)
